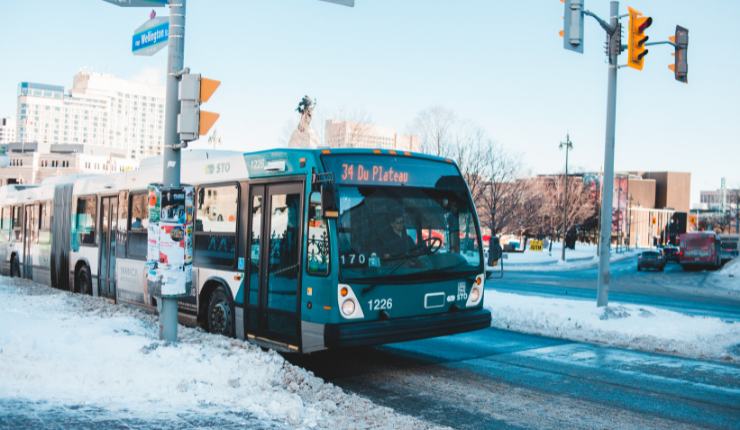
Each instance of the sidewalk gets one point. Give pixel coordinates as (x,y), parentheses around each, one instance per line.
(583,257)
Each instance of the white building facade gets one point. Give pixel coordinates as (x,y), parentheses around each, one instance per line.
(100,110)
(26,165)
(7,130)
(350,134)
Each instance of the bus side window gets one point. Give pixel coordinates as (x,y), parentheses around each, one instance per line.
(86,217)
(45,223)
(138,221)
(17,224)
(317,255)
(215,226)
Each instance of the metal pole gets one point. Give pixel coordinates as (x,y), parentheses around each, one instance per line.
(565,196)
(619,214)
(602,286)
(171,151)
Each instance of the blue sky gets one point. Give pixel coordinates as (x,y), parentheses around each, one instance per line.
(499,64)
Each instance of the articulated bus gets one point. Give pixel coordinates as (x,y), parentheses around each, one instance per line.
(297,250)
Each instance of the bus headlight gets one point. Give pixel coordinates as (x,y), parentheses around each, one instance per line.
(476,291)
(349,306)
(474,294)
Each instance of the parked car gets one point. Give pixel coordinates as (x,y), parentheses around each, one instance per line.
(651,260)
(728,247)
(671,252)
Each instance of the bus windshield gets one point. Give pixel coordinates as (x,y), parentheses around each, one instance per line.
(405,232)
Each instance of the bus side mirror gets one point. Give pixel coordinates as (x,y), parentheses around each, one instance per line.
(329,200)
(494,250)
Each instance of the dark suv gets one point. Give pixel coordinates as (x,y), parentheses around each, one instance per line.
(670,253)
(650,260)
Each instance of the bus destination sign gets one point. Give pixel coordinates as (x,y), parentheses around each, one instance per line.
(366,169)
(373,173)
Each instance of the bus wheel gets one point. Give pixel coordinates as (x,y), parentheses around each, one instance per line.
(84,281)
(15,267)
(220,314)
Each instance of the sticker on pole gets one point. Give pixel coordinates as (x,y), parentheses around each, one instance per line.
(150,37)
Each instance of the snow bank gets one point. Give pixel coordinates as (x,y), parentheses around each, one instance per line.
(78,350)
(728,277)
(574,260)
(630,326)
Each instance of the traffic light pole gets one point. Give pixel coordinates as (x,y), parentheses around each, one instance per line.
(602,286)
(171,150)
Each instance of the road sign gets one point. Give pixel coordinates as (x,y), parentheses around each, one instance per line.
(151,36)
(138,3)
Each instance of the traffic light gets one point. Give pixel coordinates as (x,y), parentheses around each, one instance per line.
(572,32)
(680,65)
(195,90)
(636,50)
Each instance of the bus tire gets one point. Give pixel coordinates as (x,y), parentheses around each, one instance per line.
(83,280)
(15,267)
(220,313)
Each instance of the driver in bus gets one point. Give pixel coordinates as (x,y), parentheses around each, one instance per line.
(395,241)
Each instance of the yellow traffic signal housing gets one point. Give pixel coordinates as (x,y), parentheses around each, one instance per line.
(207,119)
(195,90)
(636,49)
(207,88)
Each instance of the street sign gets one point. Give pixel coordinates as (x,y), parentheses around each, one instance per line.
(151,36)
(350,3)
(138,3)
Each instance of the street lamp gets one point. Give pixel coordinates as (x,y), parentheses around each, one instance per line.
(568,145)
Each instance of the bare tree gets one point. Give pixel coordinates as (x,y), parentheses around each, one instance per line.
(579,205)
(470,151)
(435,126)
(489,170)
(502,194)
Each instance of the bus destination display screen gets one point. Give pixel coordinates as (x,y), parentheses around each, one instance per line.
(387,170)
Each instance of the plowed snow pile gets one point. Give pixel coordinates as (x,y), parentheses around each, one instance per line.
(71,349)
(645,328)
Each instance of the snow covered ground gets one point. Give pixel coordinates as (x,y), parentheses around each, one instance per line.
(583,257)
(624,325)
(65,349)
(728,277)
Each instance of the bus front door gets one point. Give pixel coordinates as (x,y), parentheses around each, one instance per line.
(273,272)
(107,266)
(28,237)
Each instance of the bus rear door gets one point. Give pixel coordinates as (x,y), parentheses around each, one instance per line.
(273,272)
(107,266)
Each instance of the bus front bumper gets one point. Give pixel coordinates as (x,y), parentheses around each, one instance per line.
(402,329)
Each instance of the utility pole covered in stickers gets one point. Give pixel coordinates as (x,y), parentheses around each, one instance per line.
(170,241)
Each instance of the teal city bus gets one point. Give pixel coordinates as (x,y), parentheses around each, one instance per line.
(299,250)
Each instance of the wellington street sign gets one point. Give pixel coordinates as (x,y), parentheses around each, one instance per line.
(151,36)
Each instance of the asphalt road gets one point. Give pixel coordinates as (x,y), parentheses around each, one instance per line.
(493,379)
(688,292)
(499,379)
